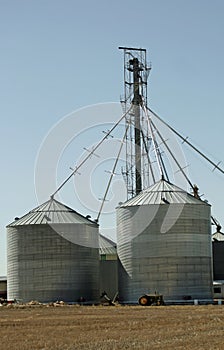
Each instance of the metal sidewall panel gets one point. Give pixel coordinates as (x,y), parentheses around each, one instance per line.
(108,277)
(218,260)
(176,263)
(44,265)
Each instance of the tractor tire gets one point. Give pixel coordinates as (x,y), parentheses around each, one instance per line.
(143,300)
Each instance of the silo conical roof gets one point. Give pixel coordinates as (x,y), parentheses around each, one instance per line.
(162,192)
(52,212)
(218,236)
(107,246)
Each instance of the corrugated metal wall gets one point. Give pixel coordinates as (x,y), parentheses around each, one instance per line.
(108,277)
(108,267)
(45,265)
(218,260)
(176,263)
(3,289)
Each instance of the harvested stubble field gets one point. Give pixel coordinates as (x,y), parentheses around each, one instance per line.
(107,328)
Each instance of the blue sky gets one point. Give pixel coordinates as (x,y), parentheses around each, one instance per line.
(58,56)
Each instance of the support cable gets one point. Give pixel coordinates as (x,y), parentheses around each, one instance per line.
(153,141)
(162,162)
(184,139)
(173,156)
(112,174)
(147,153)
(90,154)
(169,150)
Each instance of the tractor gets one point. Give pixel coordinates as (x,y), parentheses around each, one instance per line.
(151,300)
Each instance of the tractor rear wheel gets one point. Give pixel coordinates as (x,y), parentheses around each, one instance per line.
(143,300)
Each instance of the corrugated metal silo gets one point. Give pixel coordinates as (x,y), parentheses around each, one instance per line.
(53,254)
(164,245)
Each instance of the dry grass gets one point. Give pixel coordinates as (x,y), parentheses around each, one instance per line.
(107,328)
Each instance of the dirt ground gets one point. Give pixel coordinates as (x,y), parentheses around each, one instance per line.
(112,327)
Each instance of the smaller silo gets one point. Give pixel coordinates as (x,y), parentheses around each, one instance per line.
(108,266)
(53,254)
(218,254)
(3,287)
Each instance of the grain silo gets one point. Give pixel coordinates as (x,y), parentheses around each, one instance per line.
(218,254)
(108,266)
(3,287)
(164,245)
(53,255)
